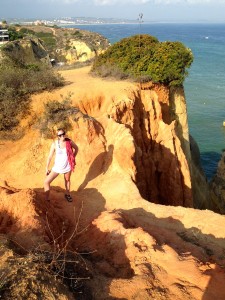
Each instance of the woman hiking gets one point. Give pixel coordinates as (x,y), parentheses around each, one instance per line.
(65,151)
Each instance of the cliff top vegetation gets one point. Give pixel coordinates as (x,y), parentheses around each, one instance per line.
(55,37)
(144,58)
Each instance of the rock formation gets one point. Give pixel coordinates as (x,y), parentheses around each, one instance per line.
(200,185)
(67,45)
(217,184)
(138,250)
(161,144)
(78,51)
(71,45)
(136,152)
(28,50)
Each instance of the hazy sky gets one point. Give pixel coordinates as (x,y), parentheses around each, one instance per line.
(153,10)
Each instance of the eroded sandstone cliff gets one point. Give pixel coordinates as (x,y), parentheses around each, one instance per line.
(61,45)
(157,119)
(148,129)
(71,45)
(27,51)
(217,185)
(137,148)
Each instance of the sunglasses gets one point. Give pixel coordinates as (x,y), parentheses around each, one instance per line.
(62,134)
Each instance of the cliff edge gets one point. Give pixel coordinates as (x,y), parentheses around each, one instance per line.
(127,221)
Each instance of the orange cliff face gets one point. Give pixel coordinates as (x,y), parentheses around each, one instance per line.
(137,148)
(217,194)
(161,156)
(137,134)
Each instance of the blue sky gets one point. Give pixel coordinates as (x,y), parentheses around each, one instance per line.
(153,10)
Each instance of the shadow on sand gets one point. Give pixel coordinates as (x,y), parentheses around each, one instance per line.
(99,166)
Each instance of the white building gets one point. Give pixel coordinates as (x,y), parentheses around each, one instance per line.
(4,36)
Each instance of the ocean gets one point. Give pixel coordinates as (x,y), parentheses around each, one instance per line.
(205,84)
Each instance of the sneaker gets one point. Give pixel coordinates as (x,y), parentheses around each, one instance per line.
(68,198)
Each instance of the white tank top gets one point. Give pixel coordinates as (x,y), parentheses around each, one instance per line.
(61,164)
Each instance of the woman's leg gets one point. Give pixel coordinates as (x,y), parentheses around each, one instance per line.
(67,182)
(47,182)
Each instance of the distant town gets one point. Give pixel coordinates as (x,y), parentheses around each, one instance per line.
(69,21)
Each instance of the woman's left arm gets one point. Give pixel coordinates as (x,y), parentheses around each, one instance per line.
(75,147)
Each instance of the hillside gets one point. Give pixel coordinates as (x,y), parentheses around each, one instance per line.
(64,45)
(132,248)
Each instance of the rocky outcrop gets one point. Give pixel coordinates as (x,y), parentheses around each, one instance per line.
(65,45)
(78,46)
(70,45)
(78,52)
(217,188)
(162,160)
(27,51)
(200,185)
(178,111)
(138,250)
(133,147)
(162,152)
(145,129)
(146,257)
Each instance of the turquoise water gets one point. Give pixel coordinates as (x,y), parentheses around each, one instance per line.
(205,85)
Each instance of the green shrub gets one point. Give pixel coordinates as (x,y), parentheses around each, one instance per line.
(48,39)
(26,31)
(14,34)
(143,57)
(67,47)
(169,62)
(42,34)
(77,34)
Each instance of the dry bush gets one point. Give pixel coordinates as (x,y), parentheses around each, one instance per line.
(59,114)
(44,269)
(17,83)
(107,70)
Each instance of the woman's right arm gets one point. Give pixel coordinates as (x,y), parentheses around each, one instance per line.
(51,153)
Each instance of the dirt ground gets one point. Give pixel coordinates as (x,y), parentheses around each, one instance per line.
(132,249)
